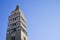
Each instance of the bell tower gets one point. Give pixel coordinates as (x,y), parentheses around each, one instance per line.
(17,29)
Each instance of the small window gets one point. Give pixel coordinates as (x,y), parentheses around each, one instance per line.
(14,24)
(15,18)
(14,29)
(13,38)
(24,38)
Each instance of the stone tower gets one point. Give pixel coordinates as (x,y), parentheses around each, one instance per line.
(17,29)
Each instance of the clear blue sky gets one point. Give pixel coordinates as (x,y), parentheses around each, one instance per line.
(43,18)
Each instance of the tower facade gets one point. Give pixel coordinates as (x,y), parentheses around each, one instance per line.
(17,29)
